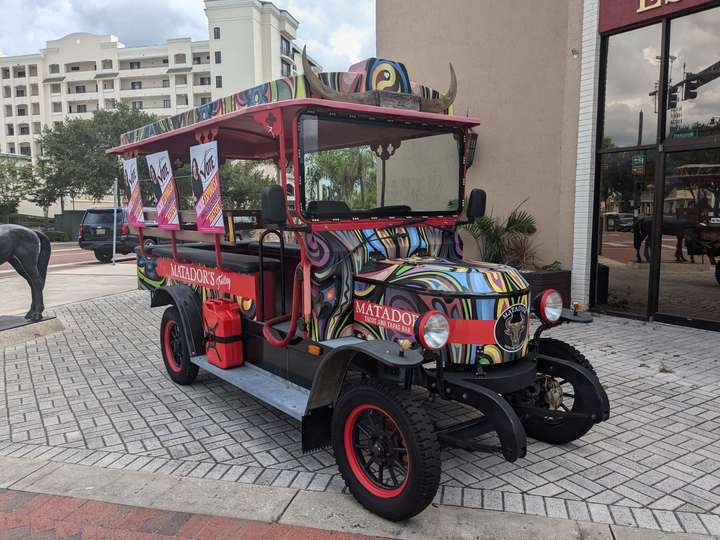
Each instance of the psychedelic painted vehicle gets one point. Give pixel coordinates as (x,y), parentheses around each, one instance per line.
(345,300)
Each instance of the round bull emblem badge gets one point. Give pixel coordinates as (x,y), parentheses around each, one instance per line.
(511,328)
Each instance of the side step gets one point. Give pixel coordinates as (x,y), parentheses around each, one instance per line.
(273,390)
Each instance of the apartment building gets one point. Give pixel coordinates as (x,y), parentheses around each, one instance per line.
(249,42)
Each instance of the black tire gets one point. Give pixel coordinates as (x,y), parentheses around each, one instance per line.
(174,348)
(558,431)
(404,430)
(103,255)
(717,272)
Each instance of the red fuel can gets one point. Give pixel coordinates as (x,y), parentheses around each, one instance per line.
(222,323)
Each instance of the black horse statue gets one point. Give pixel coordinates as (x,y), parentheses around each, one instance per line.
(28,252)
(671,226)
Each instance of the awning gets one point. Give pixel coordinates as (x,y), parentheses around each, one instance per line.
(106,75)
(59,78)
(180,70)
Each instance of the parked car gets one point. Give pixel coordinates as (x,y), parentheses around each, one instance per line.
(624,222)
(96,233)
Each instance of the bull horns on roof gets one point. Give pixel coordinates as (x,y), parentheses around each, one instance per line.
(318,87)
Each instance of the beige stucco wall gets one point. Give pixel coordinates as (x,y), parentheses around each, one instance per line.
(516,72)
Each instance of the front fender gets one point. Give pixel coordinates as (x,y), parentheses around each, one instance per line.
(188,304)
(329,377)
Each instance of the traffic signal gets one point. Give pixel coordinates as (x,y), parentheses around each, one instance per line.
(692,82)
(673,98)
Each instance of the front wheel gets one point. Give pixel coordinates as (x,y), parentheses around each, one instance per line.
(386,449)
(558,410)
(174,348)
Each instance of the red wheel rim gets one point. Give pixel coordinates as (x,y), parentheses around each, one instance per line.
(376,451)
(173,345)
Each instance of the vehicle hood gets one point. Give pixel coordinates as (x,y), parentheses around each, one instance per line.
(445,276)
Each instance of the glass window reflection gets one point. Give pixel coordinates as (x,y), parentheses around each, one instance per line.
(695,76)
(633,72)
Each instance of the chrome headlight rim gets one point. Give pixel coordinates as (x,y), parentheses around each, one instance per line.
(433,330)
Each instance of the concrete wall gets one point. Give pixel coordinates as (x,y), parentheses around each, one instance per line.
(518,73)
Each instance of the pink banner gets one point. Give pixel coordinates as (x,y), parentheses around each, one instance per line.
(135,204)
(205,177)
(163,185)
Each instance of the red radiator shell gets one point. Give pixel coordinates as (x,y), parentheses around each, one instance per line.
(222,323)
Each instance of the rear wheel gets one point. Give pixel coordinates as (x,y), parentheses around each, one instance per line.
(569,402)
(717,272)
(103,255)
(174,348)
(386,449)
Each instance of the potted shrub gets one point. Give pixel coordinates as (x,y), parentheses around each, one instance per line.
(510,242)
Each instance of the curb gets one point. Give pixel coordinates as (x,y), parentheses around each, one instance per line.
(328,511)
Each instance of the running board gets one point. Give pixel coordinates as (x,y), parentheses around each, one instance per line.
(265,386)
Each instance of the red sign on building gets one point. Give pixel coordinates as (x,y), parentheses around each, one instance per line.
(616,14)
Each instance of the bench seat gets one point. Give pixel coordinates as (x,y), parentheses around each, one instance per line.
(243,264)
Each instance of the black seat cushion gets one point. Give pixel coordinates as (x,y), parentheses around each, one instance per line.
(245,264)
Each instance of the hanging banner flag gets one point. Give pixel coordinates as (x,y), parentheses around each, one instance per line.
(205,177)
(135,204)
(163,185)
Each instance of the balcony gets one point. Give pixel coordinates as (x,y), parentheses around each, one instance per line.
(127,73)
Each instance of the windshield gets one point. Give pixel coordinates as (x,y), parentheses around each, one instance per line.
(103,217)
(355,168)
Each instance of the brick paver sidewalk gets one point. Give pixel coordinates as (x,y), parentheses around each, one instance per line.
(31,516)
(98,395)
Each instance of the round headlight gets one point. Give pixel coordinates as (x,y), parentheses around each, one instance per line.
(433,330)
(549,306)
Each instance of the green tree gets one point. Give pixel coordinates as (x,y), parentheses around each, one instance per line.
(13,185)
(242,182)
(346,174)
(74,159)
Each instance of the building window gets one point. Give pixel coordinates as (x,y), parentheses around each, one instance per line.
(180,58)
(20,91)
(107,64)
(32,69)
(56,107)
(54,68)
(166,83)
(216,32)
(35,108)
(137,105)
(110,103)
(80,89)
(20,73)
(284,68)
(196,60)
(36,128)
(218,81)
(11,148)
(166,103)
(9,129)
(108,85)
(180,80)
(218,57)
(284,46)
(204,81)
(5,73)
(24,129)
(55,88)
(25,151)
(134,65)
(22,110)
(181,99)
(74,68)
(136,85)
(165,61)
(204,100)
(82,108)
(34,90)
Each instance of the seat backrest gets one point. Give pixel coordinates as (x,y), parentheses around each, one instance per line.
(327,209)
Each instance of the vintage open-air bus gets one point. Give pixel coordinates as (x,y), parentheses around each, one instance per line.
(345,301)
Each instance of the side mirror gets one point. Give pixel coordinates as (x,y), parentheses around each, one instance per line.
(272,200)
(476,204)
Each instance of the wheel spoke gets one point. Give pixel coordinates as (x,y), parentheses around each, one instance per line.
(564,407)
(565,394)
(391,469)
(380,472)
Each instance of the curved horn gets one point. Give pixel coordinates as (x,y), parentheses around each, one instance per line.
(442,103)
(322,90)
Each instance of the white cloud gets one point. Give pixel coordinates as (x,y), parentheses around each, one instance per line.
(338,32)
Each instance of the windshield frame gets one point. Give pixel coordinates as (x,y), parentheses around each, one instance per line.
(379,123)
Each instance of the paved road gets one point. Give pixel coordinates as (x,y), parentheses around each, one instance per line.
(97,395)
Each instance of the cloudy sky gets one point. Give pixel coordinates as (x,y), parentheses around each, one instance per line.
(337,32)
(633,71)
